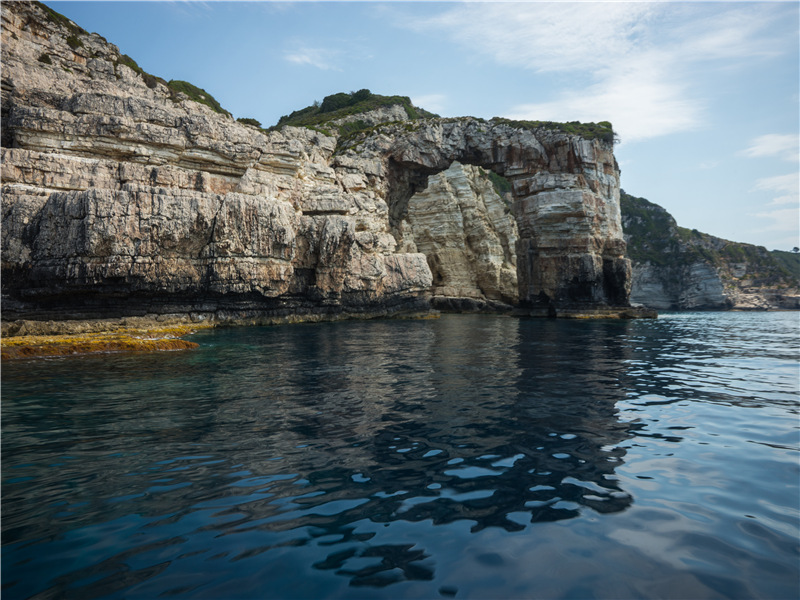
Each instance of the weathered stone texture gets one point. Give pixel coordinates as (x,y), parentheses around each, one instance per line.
(122,197)
(467,232)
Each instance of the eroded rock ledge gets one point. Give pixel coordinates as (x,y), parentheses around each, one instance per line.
(121,198)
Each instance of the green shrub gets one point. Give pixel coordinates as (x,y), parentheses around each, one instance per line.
(790,261)
(249,121)
(335,102)
(601,131)
(126,60)
(360,96)
(152,81)
(59,19)
(501,185)
(74,42)
(342,104)
(45,58)
(353,127)
(196,94)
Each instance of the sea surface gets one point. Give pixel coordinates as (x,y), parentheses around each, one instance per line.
(466,457)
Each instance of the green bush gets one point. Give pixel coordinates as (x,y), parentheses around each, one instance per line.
(126,60)
(335,102)
(501,185)
(45,58)
(353,127)
(342,104)
(360,96)
(196,94)
(74,42)
(249,121)
(59,19)
(601,131)
(152,81)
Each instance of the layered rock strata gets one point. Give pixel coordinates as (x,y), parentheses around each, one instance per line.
(121,197)
(680,269)
(570,251)
(468,234)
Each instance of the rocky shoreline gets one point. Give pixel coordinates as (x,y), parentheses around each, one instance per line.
(47,339)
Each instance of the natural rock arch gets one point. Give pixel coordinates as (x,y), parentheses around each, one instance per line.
(570,251)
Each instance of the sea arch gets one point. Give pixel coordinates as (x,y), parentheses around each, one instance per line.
(570,251)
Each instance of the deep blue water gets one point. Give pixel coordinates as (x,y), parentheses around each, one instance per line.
(467,457)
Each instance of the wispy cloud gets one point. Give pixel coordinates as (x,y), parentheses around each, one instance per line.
(640,101)
(783,146)
(787,185)
(321,58)
(633,63)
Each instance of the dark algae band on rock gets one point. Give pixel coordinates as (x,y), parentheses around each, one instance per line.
(127,195)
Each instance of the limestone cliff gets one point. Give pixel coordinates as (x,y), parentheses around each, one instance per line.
(468,233)
(680,269)
(124,194)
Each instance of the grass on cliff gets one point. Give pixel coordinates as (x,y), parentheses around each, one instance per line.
(790,260)
(336,106)
(654,237)
(591,131)
(175,86)
(59,19)
(196,94)
(501,185)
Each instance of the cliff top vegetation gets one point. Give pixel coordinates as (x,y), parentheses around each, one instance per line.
(342,104)
(654,237)
(74,33)
(591,131)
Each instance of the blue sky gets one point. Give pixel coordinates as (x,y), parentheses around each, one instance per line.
(704,95)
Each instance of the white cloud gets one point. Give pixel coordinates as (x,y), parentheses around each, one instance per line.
(788,185)
(640,102)
(780,183)
(432,102)
(544,36)
(314,57)
(784,146)
(632,63)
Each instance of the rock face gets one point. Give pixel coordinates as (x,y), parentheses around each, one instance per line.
(121,197)
(468,234)
(695,285)
(570,249)
(681,269)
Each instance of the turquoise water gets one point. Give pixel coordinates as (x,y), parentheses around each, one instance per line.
(467,457)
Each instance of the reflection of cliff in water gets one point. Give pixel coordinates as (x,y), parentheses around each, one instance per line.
(330,438)
(464,432)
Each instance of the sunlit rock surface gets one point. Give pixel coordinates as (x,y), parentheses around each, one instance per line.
(121,197)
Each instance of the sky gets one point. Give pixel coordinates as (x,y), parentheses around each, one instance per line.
(704,96)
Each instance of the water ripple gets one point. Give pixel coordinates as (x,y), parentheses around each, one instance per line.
(469,456)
